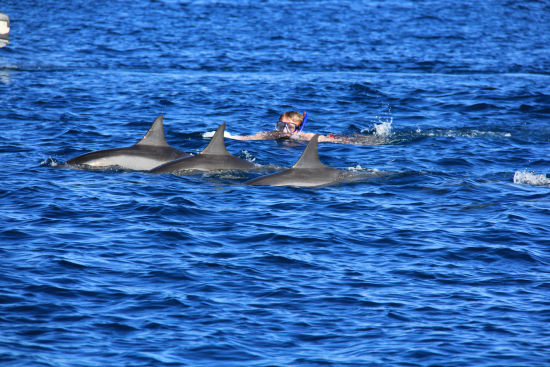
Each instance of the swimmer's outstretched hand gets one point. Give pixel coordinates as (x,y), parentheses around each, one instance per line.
(263,135)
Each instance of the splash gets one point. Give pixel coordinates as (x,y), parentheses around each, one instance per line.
(360,169)
(383,124)
(210,134)
(246,155)
(357,168)
(50,162)
(384,129)
(531,178)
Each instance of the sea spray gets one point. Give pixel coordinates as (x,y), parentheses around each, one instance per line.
(383,124)
(531,178)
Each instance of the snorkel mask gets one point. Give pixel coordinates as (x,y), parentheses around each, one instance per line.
(290,127)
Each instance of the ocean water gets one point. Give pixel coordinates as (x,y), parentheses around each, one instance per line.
(442,258)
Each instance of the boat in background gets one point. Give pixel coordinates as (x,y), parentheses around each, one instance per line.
(4,29)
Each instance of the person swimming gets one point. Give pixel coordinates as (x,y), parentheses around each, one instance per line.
(290,126)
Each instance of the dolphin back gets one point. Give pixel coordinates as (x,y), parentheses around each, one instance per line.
(309,171)
(310,156)
(217,143)
(151,151)
(212,158)
(155,135)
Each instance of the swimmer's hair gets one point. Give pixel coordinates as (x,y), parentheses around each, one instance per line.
(294,116)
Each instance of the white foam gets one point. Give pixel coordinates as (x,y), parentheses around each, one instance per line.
(384,128)
(50,162)
(248,156)
(466,133)
(360,169)
(382,125)
(531,178)
(210,134)
(357,168)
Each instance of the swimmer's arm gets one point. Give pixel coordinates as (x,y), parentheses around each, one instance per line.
(331,138)
(355,139)
(258,136)
(274,134)
(262,135)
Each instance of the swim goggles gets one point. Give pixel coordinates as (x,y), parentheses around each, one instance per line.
(290,127)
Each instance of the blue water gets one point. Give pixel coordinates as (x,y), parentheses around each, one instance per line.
(443,258)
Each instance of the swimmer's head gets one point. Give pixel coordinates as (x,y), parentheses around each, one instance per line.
(291,122)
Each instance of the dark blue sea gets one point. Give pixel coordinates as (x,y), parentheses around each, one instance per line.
(442,258)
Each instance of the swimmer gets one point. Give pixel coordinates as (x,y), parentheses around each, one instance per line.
(291,125)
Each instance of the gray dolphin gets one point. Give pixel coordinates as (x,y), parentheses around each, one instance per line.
(309,171)
(149,152)
(214,157)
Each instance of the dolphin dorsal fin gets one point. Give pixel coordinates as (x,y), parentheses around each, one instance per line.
(155,135)
(310,156)
(217,143)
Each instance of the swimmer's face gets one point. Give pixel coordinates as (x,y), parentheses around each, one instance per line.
(287,125)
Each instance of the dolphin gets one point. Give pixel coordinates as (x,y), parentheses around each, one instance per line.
(149,152)
(214,157)
(309,171)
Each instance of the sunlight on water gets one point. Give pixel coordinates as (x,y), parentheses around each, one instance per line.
(531,178)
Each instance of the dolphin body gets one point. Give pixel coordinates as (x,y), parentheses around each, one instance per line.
(309,171)
(214,157)
(149,152)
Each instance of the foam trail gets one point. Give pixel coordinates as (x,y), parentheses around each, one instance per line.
(531,178)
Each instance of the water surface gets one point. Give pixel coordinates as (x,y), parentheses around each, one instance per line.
(442,259)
